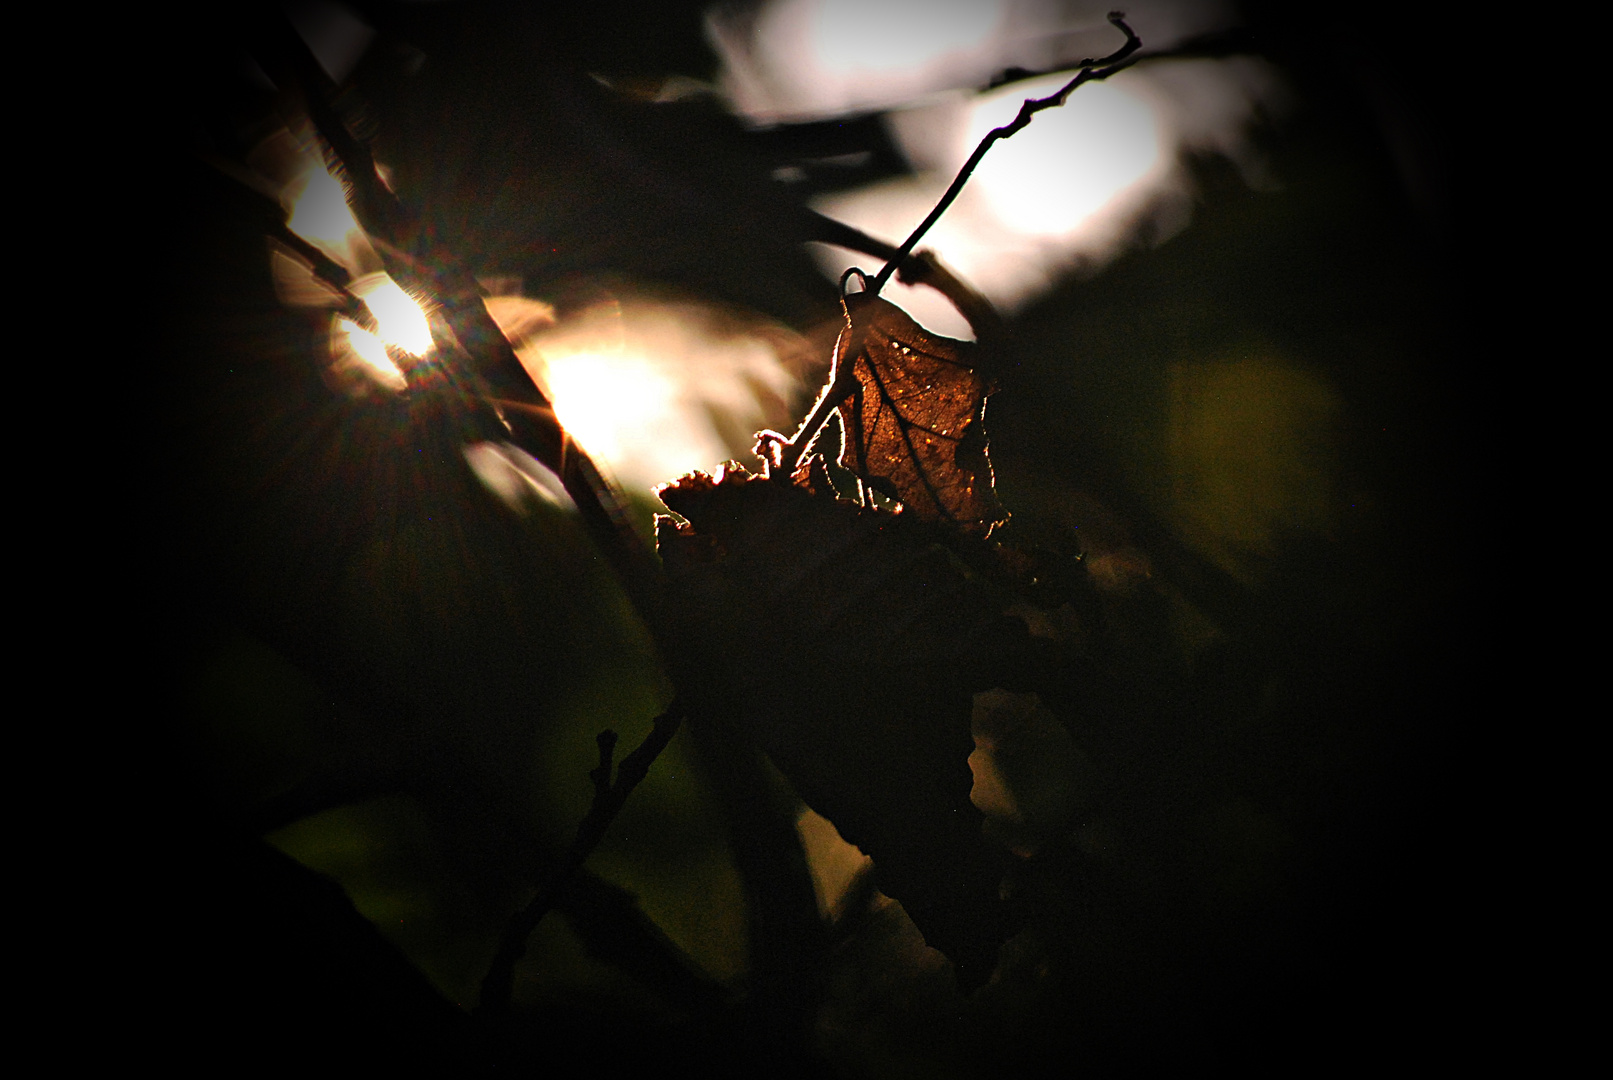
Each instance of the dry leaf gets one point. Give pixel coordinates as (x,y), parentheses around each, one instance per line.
(914,424)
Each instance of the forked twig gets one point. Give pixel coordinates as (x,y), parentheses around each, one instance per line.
(499,983)
(1091,71)
(1216,45)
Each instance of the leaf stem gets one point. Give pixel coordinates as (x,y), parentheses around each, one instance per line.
(782,455)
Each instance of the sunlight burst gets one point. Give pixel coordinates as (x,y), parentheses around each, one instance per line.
(319,213)
(372,351)
(652,389)
(397,314)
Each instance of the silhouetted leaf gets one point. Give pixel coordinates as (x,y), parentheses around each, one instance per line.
(913,425)
(849,644)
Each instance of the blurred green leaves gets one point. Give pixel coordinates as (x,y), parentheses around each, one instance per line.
(1252,457)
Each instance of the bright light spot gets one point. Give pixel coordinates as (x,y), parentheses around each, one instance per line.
(654,390)
(1070,162)
(607,401)
(398,314)
(318,212)
(372,351)
(321,216)
(800,58)
(863,36)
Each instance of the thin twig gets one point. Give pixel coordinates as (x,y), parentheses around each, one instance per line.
(919,268)
(1091,71)
(498,985)
(1217,45)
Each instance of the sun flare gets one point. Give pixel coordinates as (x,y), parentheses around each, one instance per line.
(398,316)
(654,389)
(371,350)
(319,213)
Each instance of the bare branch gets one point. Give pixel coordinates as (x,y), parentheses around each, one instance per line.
(498,985)
(919,268)
(1091,71)
(1213,46)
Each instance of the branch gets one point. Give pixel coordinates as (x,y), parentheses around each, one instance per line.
(498,984)
(1218,45)
(1091,71)
(492,359)
(788,943)
(250,196)
(494,378)
(919,268)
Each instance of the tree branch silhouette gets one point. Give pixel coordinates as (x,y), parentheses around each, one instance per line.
(1091,71)
(609,798)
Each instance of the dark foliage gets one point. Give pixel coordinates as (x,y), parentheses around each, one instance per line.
(1252,862)
(848,644)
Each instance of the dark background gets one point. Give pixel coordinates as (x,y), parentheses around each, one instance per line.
(320,591)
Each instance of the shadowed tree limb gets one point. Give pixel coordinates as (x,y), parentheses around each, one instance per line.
(917,268)
(609,798)
(788,940)
(410,253)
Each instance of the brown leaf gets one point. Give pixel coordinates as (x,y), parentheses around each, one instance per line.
(914,423)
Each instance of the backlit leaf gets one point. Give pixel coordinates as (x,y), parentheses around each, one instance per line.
(914,424)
